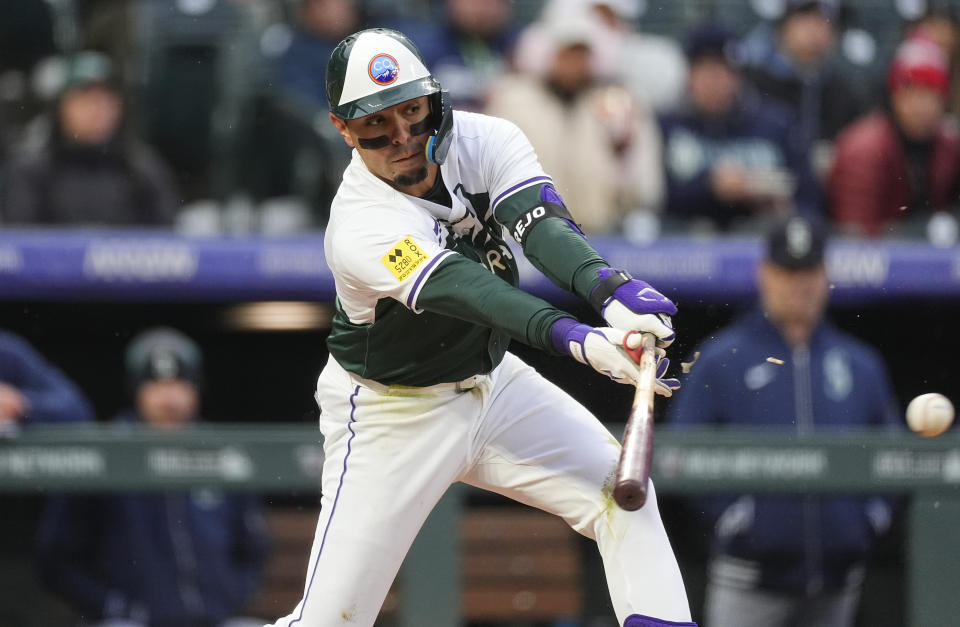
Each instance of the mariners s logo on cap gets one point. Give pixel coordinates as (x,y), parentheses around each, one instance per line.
(799,238)
(383,69)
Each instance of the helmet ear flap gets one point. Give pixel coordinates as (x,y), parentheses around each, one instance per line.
(441,113)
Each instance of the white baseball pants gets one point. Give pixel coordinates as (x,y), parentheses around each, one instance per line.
(391,453)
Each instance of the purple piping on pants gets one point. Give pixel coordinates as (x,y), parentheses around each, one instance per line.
(333,510)
(639,620)
(423,274)
(497,200)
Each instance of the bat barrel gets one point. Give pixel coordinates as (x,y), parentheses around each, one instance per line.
(636,456)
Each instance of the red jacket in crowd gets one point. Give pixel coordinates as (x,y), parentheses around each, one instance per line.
(869,184)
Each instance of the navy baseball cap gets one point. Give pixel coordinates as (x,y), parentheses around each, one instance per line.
(797,243)
(714,40)
(161,354)
(829,8)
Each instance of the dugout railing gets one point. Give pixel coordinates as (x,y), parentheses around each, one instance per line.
(283,459)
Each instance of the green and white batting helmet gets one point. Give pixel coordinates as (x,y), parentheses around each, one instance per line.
(377,68)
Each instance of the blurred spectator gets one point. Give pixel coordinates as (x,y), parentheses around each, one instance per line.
(941,25)
(289,158)
(467,48)
(80,166)
(651,67)
(788,560)
(599,145)
(319,27)
(728,156)
(902,163)
(161,559)
(32,390)
(791,65)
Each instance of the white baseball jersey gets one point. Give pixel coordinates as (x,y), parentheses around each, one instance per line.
(382,245)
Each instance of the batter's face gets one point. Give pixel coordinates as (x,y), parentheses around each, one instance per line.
(398,156)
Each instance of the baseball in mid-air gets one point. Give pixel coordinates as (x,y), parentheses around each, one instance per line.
(930,414)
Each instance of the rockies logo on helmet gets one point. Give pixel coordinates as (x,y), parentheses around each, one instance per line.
(383,69)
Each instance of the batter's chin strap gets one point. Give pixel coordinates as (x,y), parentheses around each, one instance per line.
(605,288)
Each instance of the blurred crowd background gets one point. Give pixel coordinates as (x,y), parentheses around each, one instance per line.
(699,118)
(209,116)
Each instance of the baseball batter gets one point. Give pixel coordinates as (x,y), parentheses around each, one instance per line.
(420,390)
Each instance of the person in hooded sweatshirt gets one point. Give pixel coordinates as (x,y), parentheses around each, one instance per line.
(898,166)
(80,165)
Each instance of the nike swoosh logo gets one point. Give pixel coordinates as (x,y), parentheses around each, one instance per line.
(759,376)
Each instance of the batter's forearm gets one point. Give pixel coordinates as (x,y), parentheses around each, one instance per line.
(464,289)
(538,219)
(564,256)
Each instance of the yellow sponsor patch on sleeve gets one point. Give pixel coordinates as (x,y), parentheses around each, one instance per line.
(404,257)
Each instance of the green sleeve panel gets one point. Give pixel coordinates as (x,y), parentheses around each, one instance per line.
(464,289)
(553,246)
(564,256)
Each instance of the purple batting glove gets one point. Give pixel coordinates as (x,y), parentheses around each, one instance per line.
(671,384)
(633,305)
(638,620)
(603,349)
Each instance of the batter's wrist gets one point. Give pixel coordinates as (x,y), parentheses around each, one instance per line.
(587,277)
(609,280)
(559,333)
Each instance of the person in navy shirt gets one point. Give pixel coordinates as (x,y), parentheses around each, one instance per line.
(34,391)
(300,68)
(729,158)
(164,559)
(785,560)
(467,46)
